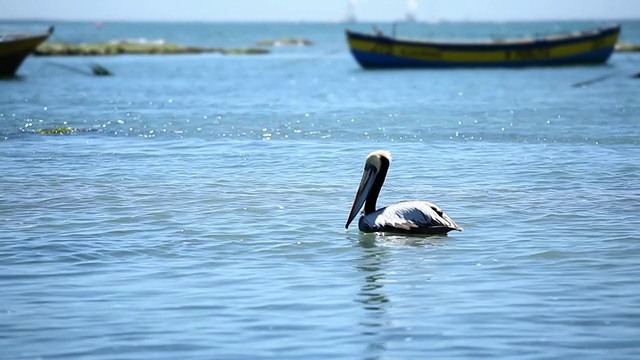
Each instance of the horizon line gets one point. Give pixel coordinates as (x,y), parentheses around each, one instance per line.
(338,21)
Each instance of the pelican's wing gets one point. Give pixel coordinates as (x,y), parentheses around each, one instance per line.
(410,216)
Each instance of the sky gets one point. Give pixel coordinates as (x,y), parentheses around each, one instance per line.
(318,10)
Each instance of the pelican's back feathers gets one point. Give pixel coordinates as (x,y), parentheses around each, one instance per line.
(409,216)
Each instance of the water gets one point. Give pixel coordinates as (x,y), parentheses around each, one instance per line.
(203,217)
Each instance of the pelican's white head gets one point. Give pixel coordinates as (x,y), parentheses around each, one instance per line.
(374,158)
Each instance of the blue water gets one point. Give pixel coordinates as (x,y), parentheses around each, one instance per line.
(203,216)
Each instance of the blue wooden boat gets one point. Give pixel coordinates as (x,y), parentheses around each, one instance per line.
(585,47)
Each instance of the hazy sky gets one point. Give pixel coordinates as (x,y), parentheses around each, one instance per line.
(318,10)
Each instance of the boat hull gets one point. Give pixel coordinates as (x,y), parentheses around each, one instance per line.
(15,48)
(587,47)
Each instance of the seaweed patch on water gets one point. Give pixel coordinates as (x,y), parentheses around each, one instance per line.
(63,130)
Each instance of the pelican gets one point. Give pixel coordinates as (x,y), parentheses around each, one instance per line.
(408,217)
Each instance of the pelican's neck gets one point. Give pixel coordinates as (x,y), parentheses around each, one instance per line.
(372,197)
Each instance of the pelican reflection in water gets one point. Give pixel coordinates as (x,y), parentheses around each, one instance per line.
(406,217)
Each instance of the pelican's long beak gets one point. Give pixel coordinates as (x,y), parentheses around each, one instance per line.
(368,177)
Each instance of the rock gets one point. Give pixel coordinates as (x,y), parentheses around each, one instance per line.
(100,70)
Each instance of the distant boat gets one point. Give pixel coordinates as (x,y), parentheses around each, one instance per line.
(14,48)
(585,47)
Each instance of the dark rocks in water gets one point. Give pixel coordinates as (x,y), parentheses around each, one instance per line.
(100,70)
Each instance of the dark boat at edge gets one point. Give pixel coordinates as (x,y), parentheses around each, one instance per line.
(15,47)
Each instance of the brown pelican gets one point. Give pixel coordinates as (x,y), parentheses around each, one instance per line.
(412,217)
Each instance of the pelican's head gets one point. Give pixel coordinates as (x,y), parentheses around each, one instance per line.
(372,167)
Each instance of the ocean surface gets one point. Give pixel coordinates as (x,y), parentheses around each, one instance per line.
(202,215)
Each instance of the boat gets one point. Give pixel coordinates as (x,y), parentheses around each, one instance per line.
(15,47)
(379,51)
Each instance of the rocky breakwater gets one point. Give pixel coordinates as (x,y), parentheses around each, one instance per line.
(626,47)
(120,47)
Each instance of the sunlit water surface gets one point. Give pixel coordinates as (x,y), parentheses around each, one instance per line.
(202,216)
